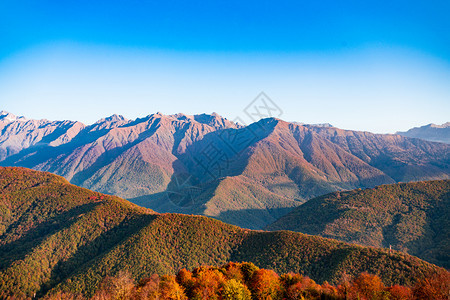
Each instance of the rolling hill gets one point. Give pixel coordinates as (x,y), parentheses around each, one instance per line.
(410,217)
(54,235)
(204,164)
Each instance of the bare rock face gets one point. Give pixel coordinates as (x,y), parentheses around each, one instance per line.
(206,164)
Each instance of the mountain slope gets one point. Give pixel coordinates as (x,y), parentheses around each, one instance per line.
(58,236)
(430,132)
(411,217)
(248,176)
(19,133)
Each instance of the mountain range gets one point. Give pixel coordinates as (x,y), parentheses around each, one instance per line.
(410,217)
(207,165)
(430,132)
(57,236)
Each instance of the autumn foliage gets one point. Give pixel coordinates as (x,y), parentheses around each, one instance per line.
(55,236)
(245,281)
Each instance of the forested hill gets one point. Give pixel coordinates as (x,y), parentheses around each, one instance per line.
(54,235)
(411,217)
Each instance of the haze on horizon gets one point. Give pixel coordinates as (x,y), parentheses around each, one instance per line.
(377,66)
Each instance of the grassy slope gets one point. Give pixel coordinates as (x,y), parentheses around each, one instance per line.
(412,217)
(56,235)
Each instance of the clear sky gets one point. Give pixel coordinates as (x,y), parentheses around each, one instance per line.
(379,66)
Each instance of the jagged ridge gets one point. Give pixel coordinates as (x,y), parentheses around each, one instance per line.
(248,176)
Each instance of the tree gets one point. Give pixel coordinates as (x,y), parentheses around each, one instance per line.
(290,279)
(233,271)
(233,289)
(247,270)
(170,289)
(62,296)
(148,288)
(208,283)
(119,287)
(266,285)
(367,286)
(436,286)
(398,292)
(329,291)
(299,287)
(344,285)
(184,277)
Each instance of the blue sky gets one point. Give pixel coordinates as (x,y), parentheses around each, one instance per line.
(365,65)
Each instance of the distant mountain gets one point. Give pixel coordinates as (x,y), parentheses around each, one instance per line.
(316,125)
(205,164)
(430,132)
(19,133)
(54,235)
(411,217)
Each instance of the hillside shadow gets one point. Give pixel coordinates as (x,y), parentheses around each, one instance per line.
(433,245)
(183,195)
(273,249)
(109,156)
(41,152)
(389,232)
(246,218)
(89,253)
(255,219)
(222,152)
(306,219)
(19,248)
(194,172)
(58,132)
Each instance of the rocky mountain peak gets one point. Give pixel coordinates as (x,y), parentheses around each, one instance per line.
(431,132)
(325,125)
(214,120)
(445,125)
(110,122)
(9,117)
(112,118)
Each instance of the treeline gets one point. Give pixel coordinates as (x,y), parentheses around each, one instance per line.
(245,281)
